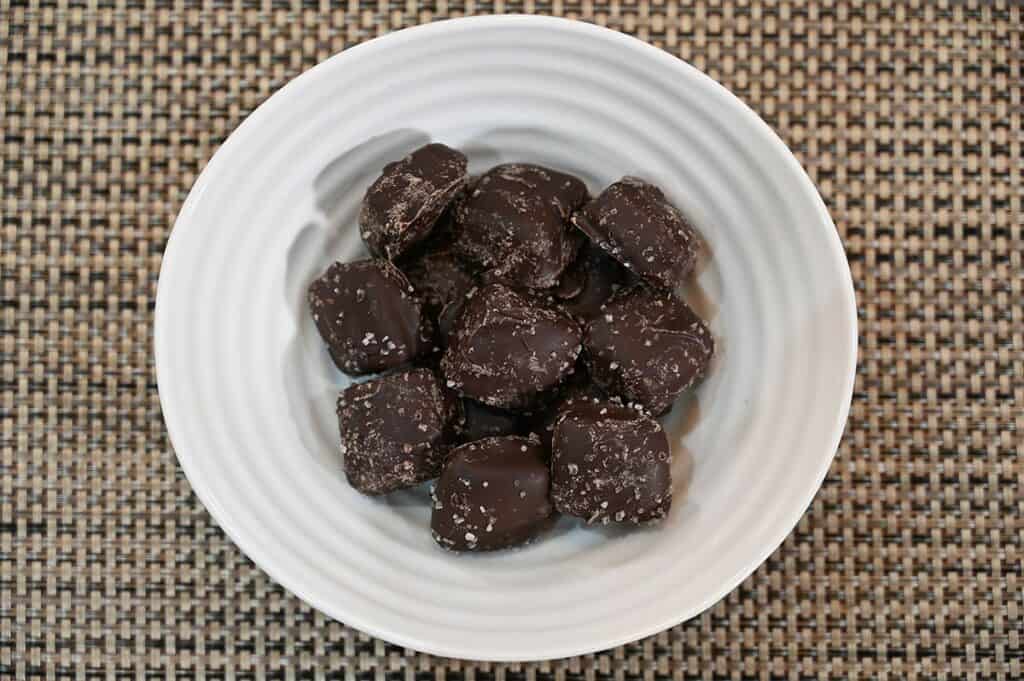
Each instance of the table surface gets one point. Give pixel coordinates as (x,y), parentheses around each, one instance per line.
(908,116)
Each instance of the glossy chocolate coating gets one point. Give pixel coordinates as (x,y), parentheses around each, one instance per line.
(588,282)
(610,463)
(401,207)
(394,430)
(647,347)
(634,222)
(369,317)
(505,349)
(513,223)
(492,494)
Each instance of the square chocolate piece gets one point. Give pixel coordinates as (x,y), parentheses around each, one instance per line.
(394,430)
(504,349)
(369,317)
(514,223)
(401,207)
(493,493)
(634,222)
(647,347)
(610,463)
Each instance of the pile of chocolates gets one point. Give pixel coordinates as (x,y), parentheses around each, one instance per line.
(524,337)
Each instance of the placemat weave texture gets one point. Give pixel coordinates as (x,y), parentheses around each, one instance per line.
(908,116)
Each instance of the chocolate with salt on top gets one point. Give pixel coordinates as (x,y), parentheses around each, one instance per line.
(504,349)
(367,314)
(610,463)
(647,347)
(402,206)
(513,222)
(634,222)
(492,494)
(394,430)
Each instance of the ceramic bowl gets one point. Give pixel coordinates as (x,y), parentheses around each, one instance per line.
(248,390)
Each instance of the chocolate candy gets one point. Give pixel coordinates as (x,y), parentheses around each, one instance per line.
(610,463)
(647,347)
(480,421)
(634,222)
(513,223)
(394,430)
(504,349)
(368,316)
(588,282)
(492,494)
(402,205)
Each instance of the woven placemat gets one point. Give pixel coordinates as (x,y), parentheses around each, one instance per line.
(908,563)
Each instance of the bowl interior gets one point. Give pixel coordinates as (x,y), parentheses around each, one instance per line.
(248,390)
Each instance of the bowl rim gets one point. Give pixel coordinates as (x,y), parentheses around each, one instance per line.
(766,546)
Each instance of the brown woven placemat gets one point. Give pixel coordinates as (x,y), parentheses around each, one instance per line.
(908,564)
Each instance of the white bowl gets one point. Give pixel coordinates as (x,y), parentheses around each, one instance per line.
(248,391)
